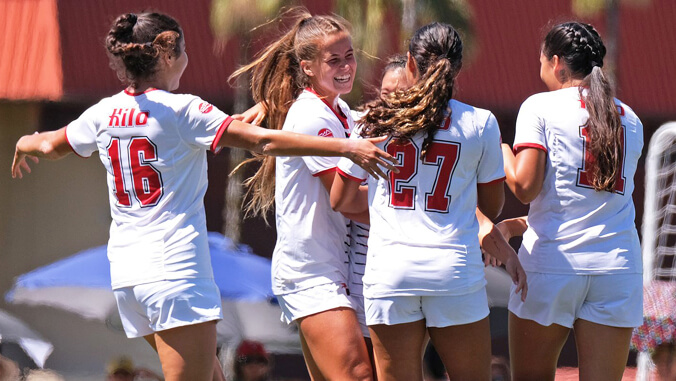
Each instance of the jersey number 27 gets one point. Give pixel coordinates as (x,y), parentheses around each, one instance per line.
(442,154)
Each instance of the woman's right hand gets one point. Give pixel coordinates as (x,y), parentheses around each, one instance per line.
(374,160)
(518,274)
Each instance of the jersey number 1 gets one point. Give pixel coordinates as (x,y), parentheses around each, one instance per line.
(441,154)
(147,180)
(588,161)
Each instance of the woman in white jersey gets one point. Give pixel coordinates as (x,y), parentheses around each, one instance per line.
(424,272)
(576,149)
(299,80)
(153,145)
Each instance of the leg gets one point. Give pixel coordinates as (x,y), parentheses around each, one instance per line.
(602,350)
(464,349)
(335,344)
(372,359)
(398,350)
(188,353)
(534,349)
(315,374)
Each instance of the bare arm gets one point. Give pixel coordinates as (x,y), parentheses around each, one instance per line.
(283,143)
(491,198)
(347,195)
(494,245)
(358,211)
(51,145)
(525,172)
(513,227)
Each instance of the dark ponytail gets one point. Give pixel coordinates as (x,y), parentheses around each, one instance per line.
(437,51)
(135,42)
(580,47)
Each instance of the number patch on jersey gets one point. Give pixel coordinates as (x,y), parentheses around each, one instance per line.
(441,154)
(146,179)
(588,162)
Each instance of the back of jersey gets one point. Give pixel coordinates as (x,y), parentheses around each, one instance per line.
(572,227)
(423,226)
(153,147)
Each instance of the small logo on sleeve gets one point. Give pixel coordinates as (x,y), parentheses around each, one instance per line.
(325,132)
(205,107)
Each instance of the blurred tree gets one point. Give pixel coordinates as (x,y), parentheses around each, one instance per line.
(236,19)
(586,8)
(369,21)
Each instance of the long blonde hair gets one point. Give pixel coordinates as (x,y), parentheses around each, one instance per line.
(276,81)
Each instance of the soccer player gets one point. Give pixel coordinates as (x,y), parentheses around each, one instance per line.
(153,146)
(424,272)
(576,151)
(298,80)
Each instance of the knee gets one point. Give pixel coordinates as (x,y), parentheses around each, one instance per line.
(361,371)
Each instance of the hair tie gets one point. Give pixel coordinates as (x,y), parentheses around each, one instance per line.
(133,18)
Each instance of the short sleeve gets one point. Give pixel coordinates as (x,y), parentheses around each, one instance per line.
(530,129)
(81,133)
(347,168)
(491,168)
(202,124)
(323,127)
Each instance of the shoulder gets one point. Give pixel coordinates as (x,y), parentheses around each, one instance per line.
(308,114)
(627,113)
(467,113)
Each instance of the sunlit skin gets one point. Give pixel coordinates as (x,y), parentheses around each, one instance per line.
(169,75)
(553,73)
(332,72)
(393,79)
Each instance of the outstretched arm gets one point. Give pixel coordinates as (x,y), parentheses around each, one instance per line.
(51,145)
(283,143)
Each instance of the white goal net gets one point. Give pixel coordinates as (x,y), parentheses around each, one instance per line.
(659,219)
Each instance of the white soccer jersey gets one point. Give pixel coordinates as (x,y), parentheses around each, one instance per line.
(423,237)
(358,238)
(574,229)
(311,238)
(153,146)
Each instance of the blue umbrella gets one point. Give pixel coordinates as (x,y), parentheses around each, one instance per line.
(81,284)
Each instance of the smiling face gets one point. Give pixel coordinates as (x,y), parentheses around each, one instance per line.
(332,72)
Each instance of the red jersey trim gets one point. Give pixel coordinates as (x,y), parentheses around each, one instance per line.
(219,134)
(137,94)
(324,172)
(519,147)
(339,114)
(70,145)
(349,177)
(496,181)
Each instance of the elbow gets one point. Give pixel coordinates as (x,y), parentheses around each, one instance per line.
(525,194)
(491,211)
(337,204)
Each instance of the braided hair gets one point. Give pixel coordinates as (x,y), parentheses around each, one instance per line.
(581,49)
(437,51)
(135,42)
